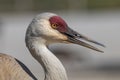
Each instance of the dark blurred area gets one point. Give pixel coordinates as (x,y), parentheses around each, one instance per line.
(98,19)
(56,5)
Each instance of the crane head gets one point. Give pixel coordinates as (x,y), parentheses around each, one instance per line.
(54,29)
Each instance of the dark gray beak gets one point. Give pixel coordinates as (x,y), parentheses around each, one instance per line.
(76,38)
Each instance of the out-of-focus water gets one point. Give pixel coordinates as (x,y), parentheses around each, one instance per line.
(100,26)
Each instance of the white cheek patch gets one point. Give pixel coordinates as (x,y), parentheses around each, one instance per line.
(44,28)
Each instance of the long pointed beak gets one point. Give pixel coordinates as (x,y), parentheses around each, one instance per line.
(76,38)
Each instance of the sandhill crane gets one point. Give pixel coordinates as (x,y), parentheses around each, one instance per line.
(45,29)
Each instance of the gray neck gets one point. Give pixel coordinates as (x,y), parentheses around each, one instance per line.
(53,68)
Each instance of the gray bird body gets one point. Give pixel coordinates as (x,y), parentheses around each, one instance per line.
(11,69)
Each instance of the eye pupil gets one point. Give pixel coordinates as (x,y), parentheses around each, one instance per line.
(54,24)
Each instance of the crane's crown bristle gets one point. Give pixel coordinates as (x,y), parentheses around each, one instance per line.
(58,23)
(54,19)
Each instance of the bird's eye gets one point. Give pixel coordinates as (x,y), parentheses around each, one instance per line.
(54,26)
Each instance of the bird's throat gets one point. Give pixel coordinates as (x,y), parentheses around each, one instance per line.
(53,68)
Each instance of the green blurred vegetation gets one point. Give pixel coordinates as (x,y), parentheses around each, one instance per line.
(50,4)
(103,4)
(6,5)
(40,5)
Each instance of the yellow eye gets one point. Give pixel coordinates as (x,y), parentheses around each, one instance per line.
(54,26)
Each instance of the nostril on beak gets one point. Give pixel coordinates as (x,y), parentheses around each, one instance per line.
(77,35)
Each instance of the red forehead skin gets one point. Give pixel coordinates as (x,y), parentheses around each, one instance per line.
(61,24)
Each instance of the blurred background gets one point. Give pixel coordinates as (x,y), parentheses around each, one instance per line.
(97,19)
